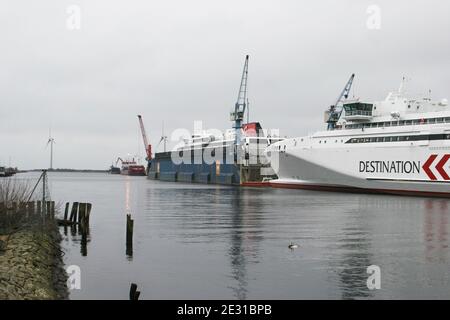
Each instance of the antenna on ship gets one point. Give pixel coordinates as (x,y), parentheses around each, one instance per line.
(239,108)
(402,85)
(334,112)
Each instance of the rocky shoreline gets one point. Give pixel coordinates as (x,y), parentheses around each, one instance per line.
(31,264)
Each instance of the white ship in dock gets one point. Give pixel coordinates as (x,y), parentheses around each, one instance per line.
(396,146)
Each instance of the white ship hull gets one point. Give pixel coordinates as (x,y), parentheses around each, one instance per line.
(327,161)
(385,169)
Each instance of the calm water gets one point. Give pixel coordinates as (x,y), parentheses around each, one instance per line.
(215,242)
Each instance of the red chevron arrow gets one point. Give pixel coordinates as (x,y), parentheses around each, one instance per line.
(426,167)
(440,167)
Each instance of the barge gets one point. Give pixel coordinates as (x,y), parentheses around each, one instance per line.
(235,157)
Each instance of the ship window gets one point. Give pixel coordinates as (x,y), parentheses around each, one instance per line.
(387,124)
(394,123)
(409,106)
(447,136)
(433,120)
(415,121)
(373,139)
(401,123)
(394,139)
(408,122)
(380,139)
(367,140)
(387,139)
(401,138)
(440,120)
(447,120)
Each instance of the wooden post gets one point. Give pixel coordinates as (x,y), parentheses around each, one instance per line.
(52,208)
(66,211)
(83,243)
(39,206)
(88,212)
(73,213)
(81,213)
(48,208)
(134,294)
(23,206)
(130,227)
(31,208)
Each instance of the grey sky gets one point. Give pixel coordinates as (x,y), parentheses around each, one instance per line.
(180,61)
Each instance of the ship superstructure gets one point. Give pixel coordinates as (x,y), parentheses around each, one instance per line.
(399,145)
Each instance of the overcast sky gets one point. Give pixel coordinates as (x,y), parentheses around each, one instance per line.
(181,61)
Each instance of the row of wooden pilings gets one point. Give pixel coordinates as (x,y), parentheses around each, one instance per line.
(79,214)
(30,207)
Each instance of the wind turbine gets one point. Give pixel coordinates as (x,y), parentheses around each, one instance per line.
(163,138)
(50,141)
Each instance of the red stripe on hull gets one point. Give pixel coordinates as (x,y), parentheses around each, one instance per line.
(347,189)
(361,190)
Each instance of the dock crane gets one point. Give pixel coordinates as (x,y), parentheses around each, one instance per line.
(335,111)
(147,146)
(239,108)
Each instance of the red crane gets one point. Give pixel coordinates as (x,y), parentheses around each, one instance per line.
(148,147)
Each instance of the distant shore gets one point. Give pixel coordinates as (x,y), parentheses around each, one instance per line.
(69,170)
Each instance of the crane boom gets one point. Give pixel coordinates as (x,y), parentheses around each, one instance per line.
(237,115)
(148,147)
(333,112)
(346,91)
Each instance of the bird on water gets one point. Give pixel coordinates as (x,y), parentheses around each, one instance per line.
(293,246)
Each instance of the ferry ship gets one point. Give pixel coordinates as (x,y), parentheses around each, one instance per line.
(234,157)
(396,146)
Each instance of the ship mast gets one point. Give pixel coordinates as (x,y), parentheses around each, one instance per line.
(239,108)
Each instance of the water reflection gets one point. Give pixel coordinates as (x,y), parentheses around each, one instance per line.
(78,235)
(130,222)
(244,239)
(214,242)
(436,230)
(354,255)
